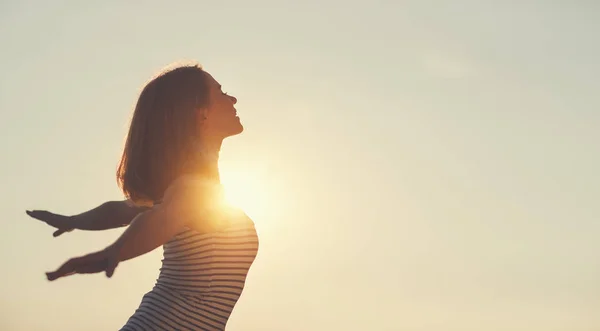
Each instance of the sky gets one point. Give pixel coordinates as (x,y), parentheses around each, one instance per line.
(410,165)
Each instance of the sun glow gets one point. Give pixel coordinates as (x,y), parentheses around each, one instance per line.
(246,190)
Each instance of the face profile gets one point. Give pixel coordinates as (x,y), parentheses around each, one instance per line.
(219,118)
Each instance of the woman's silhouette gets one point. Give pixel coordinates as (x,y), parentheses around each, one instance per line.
(169,174)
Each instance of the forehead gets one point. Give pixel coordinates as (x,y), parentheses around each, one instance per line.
(212,82)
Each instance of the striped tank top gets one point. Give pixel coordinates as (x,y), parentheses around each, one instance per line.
(201,279)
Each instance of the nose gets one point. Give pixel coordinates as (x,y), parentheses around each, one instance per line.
(233,99)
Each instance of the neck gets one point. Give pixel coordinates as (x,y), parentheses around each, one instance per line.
(208,153)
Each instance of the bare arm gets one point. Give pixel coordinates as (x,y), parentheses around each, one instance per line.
(109,215)
(189,202)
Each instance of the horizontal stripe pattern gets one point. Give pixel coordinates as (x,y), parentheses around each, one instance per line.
(200,281)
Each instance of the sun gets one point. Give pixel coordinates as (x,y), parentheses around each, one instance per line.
(246,190)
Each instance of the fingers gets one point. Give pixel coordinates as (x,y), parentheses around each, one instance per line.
(41,215)
(55,220)
(64,270)
(111,266)
(88,264)
(60,231)
(51,276)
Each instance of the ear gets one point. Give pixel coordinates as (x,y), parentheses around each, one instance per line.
(202,113)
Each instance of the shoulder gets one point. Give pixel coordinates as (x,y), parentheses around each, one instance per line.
(189,184)
(192,192)
(196,201)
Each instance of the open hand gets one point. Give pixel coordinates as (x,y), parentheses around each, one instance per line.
(102,261)
(61,222)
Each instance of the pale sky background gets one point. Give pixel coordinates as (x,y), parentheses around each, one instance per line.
(412,165)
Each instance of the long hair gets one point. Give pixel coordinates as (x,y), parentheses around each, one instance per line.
(162,132)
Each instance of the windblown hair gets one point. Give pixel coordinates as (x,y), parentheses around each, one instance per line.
(162,133)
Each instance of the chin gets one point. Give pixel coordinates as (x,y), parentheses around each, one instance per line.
(235,130)
(240,129)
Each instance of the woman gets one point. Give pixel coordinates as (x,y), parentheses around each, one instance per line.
(169,173)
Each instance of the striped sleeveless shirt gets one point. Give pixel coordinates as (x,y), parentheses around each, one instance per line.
(201,279)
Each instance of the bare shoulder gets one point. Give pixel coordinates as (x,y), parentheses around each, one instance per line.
(188,185)
(195,200)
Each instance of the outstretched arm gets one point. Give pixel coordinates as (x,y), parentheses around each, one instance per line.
(109,215)
(187,203)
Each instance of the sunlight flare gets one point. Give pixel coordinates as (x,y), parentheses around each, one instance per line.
(247,190)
